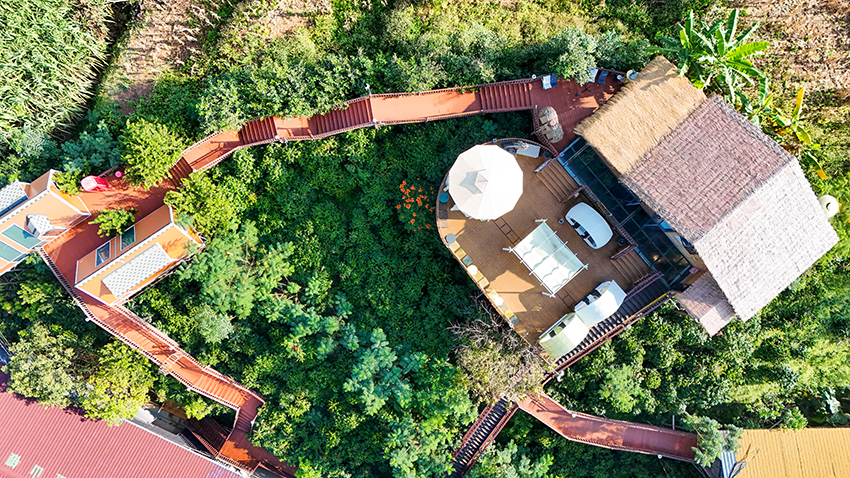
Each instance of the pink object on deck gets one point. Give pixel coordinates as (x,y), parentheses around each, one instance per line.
(118,174)
(95,184)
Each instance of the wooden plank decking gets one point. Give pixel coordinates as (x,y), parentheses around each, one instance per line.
(510,279)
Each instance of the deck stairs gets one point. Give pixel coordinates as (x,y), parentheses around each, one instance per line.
(179,171)
(632,266)
(505,96)
(258,131)
(643,296)
(356,115)
(485,429)
(557,180)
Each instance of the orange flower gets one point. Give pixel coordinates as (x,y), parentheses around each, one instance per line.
(407,206)
(398,206)
(427,226)
(414,214)
(412,221)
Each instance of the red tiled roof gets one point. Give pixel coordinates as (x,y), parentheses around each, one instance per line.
(63,443)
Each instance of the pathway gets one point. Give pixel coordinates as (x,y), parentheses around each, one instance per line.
(572,102)
(611,434)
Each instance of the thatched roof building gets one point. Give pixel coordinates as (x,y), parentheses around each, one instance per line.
(648,108)
(738,197)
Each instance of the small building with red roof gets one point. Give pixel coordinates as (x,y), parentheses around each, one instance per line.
(40,442)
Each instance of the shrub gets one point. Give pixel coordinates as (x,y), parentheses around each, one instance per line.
(150,149)
(69,182)
(114,221)
(710,441)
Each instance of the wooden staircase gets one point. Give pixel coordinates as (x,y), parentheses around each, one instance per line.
(485,429)
(357,114)
(557,180)
(507,96)
(632,266)
(179,171)
(641,299)
(258,131)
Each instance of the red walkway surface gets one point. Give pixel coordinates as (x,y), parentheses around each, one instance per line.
(573,103)
(611,434)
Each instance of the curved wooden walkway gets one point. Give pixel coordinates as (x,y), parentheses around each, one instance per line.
(611,434)
(572,102)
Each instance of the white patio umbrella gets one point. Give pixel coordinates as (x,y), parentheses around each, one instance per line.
(485,182)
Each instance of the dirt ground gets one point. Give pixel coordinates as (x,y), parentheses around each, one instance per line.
(166,34)
(809,40)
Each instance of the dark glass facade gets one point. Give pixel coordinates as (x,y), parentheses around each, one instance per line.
(654,246)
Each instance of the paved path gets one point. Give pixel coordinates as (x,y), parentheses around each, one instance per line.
(573,102)
(611,434)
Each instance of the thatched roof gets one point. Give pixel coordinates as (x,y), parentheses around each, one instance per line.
(705,301)
(636,119)
(740,199)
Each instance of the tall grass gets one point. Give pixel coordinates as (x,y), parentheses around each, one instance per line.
(48,53)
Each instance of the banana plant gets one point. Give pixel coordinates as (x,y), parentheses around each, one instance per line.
(715,56)
(804,145)
(761,108)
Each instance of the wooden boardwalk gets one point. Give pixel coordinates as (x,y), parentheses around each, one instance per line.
(611,434)
(572,102)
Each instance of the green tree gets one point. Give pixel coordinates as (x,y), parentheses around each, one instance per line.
(509,462)
(715,56)
(46,365)
(212,208)
(114,221)
(497,361)
(621,387)
(95,151)
(150,149)
(120,385)
(234,270)
(213,326)
(710,441)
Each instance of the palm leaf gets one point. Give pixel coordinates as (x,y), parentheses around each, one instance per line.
(731,26)
(798,105)
(748,49)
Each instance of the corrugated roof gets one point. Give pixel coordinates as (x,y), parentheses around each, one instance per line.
(62,443)
(806,453)
(637,118)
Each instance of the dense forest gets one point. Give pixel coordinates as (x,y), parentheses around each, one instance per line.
(324,285)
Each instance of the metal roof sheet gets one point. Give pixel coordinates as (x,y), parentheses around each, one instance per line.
(38,442)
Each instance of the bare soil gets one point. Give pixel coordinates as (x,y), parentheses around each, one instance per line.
(166,34)
(285,17)
(809,40)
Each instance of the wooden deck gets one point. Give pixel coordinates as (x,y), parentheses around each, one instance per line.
(523,295)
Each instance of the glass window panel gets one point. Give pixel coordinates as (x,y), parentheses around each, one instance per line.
(102,254)
(9,253)
(128,238)
(21,236)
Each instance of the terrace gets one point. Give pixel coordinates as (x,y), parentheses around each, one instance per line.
(548,193)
